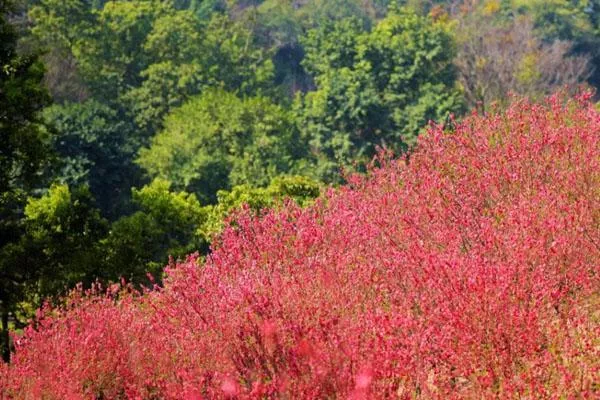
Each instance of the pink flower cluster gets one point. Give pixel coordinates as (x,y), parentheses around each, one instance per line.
(470,269)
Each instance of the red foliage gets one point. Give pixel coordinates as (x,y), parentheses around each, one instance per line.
(470,270)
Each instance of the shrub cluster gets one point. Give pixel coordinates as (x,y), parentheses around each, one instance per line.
(470,269)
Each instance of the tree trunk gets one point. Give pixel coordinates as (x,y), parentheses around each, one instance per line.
(4,337)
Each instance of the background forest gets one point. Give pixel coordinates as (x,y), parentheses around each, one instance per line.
(131,129)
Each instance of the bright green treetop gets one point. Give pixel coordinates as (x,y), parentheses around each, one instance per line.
(218,140)
(377,88)
(166,224)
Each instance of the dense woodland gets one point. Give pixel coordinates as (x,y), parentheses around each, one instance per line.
(132,129)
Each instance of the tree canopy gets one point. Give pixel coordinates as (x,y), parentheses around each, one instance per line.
(24,155)
(375,88)
(218,140)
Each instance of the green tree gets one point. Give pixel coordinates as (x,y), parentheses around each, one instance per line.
(189,55)
(205,8)
(279,24)
(412,62)
(218,140)
(375,88)
(166,224)
(112,56)
(300,189)
(55,248)
(332,46)
(23,158)
(62,232)
(96,146)
(559,19)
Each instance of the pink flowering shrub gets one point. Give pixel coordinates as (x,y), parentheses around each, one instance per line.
(470,269)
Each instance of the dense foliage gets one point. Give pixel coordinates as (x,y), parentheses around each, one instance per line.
(23,156)
(217,140)
(131,130)
(378,88)
(469,270)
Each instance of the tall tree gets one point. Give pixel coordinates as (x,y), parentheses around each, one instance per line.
(189,55)
(61,241)
(217,140)
(96,145)
(23,156)
(167,223)
(377,87)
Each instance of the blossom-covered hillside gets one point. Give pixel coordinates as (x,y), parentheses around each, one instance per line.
(470,269)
